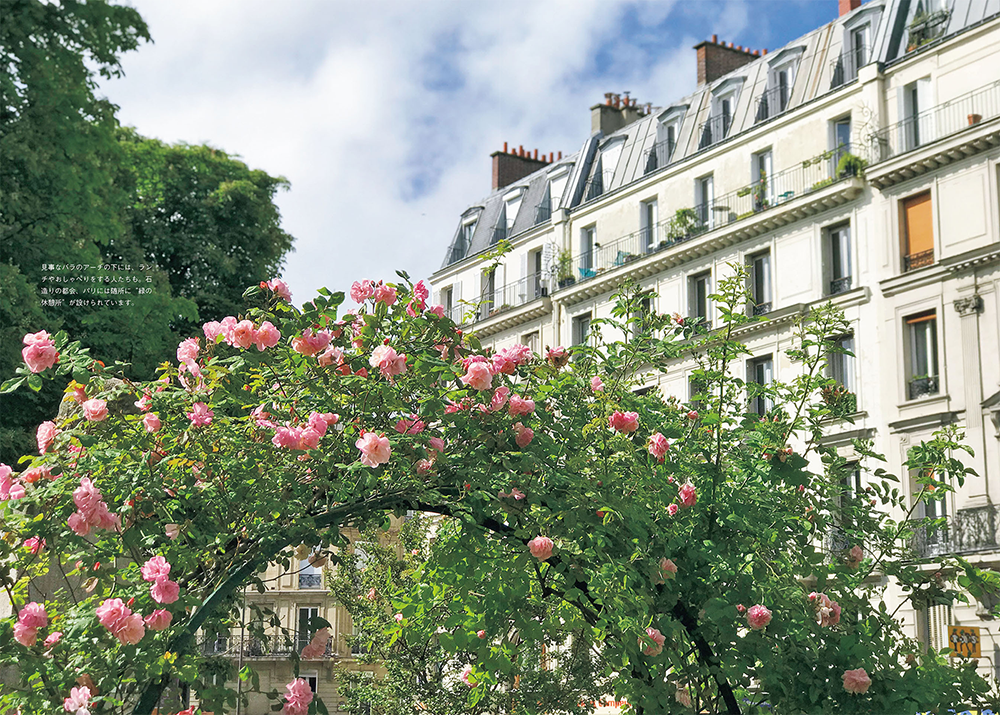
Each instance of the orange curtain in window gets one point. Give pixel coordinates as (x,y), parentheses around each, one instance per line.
(919,224)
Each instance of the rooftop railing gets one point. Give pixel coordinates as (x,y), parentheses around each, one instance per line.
(935,123)
(658,155)
(766,194)
(512,295)
(771,103)
(714,130)
(543,212)
(845,68)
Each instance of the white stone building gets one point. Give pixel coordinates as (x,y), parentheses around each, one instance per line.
(750,169)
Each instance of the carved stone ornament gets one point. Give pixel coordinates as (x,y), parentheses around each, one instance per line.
(969,306)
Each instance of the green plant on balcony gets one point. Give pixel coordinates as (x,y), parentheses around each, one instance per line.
(682,225)
(564,268)
(851,165)
(744,191)
(760,200)
(840,400)
(821,184)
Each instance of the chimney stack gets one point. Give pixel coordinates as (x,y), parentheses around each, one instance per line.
(615,113)
(514,165)
(847,6)
(716,59)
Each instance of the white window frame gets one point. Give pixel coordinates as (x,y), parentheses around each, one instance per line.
(693,280)
(669,120)
(727,91)
(766,290)
(648,220)
(588,243)
(704,194)
(558,176)
(843,367)
(763,162)
(580,337)
(835,249)
(762,405)
(786,61)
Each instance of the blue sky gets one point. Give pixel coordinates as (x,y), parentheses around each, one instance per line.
(383,114)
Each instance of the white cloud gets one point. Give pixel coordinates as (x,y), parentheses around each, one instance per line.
(383,114)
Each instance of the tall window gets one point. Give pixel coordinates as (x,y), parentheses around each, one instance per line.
(312,679)
(918,231)
(858,50)
(448,301)
(930,540)
(761,372)
(917,125)
(306,628)
(647,225)
(842,362)
(704,199)
(489,293)
(762,174)
(922,357)
(760,282)
(841,142)
(587,252)
(850,490)
(534,276)
(581,329)
(543,212)
(932,625)
(640,318)
(532,340)
(839,252)
(699,288)
(500,229)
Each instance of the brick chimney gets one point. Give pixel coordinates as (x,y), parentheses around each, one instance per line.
(508,167)
(847,6)
(716,59)
(615,113)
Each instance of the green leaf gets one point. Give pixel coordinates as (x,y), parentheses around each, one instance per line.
(35,382)
(11,385)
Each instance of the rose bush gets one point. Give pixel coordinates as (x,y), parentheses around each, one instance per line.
(567,510)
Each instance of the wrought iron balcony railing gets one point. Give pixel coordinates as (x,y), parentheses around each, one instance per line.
(512,295)
(543,212)
(762,308)
(969,531)
(918,260)
(935,123)
(310,580)
(845,68)
(840,285)
(772,102)
(280,645)
(659,156)
(714,130)
(920,386)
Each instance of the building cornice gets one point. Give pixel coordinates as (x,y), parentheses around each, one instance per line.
(512,317)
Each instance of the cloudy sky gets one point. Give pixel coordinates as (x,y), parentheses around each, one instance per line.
(382,113)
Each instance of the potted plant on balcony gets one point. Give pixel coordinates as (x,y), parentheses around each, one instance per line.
(760,200)
(851,165)
(682,225)
(564,269)
(975,119)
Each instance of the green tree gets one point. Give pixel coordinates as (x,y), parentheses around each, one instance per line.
(698,570)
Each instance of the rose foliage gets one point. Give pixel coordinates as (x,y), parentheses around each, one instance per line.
(683,548)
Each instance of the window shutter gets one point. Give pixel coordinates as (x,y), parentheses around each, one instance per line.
(919,224)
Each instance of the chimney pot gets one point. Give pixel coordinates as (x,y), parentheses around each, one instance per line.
(505,147)
(739,47)
(560,155)
(715,39)
(536,154)
(764,51)
(847,6)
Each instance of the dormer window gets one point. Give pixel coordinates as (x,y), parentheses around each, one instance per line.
(724,99)
(552,196)
(462,243)
(604,167)
(667,130)
(780,78)
(857,44)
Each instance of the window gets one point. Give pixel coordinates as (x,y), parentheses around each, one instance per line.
(543,212)
(587,252)
(500,228)
(838,252)
(841,141)
(851,488)
(512,204)
(463,241)
(917,124)
(721,118)
(762,177)
(532,341)
(667,131)
(932,626)
(534,275)
(640,318)
(760,372)
(842,361)
(312,678)
(922,367)
(581,329)
(760,283)
(929,540)
(595,185)
(489,281)
(858,49)
(306,628)
(918,231)
(448,300)
(704,198)
(699,288)
(647,225)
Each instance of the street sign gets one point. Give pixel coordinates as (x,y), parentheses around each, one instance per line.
(964,641)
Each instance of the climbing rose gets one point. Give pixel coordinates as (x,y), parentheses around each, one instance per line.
(385,294)
(758,617)
(155,569)
(855,557)
(33,616)
(25,635)
(279,288)
(152,422)
(39,352)
(692,415)
(668,569)
(624,421)
(480,634)
(466,677)
(540,547)
(521,406)
(672,509)
(310,343)
(596,384)
(297,698)
(172,531)
(410,425)
(360,292)
(267,336)
(420,291)
(687,495)
(658,446)
(159,619)
(112,613)
(44,436)
(78,701)
(187,351)
(317,646)
(53,638)
(244,334)
(658,640)
(374,448)
(200,415)
(523,435)
(478,376)
(34,544)
(827,611)
(388,361)
(499,399)
(557,356)
(856,681)
(165,591)
(95,410)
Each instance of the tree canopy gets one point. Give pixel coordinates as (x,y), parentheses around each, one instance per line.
(685,548)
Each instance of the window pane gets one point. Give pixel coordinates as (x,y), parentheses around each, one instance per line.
(918,224)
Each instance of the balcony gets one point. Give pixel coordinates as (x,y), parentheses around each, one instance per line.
(658,156)
(310,580)
(543,212)
(277,646)
(714,130)
(948,132)
(840,285)
(594,187)
(969,531)
(919,387)
(762,308)
(845,68)
(771,103)
(918,260)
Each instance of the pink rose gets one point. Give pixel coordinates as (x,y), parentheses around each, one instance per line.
(388,361)
(39,352)
(159,619)
(187,351)
(244,334)
(420,291)
(130,629)
(213,330)
(436,443)
(557,356)
(384,294)
(155,569)
(521,406)
(53,638)
(44,436)
(228,325)
(856,681)
(827,611)
(596,384)
(297,698)
(478,376)
(523,435)
(499,399)
(111,612)
(480,634)
(624,421)
(317,646)
(540,547)
(143,403)
(172,531)
(467,677)
(33,616)
(34,545)
(658,446)
(87,496)
(371,594)
(758,617)
(152,422)
(687,495)
(279,288)
(653,634)
(267,336)
(692,415)
(374,448)
(672,509)
(78,702)
(25,635)
(668,569)
(398,617)
(331,356)
(855,556)
(360,292)
(200,415)
(410,425)
(310,343)
(10,488)
(95,410)
(165,591)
